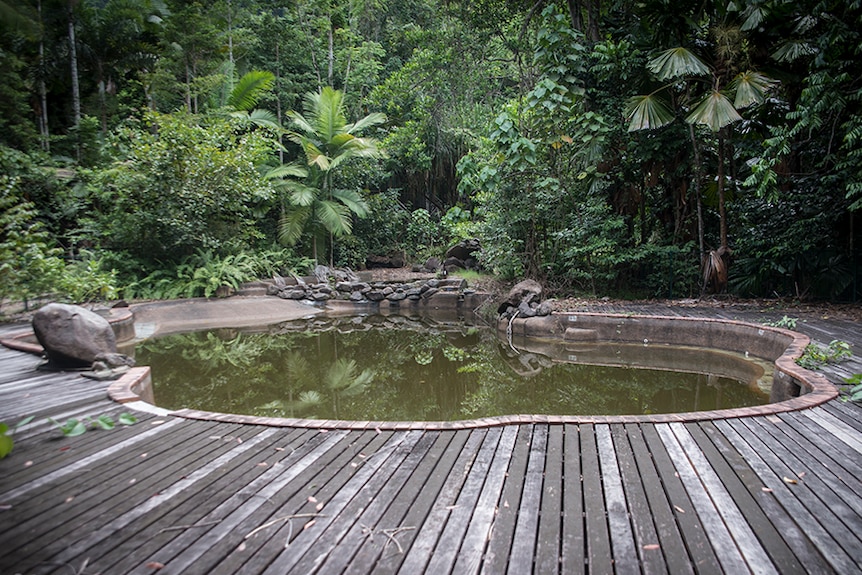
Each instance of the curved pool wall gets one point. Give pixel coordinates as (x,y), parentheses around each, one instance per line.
(794,387)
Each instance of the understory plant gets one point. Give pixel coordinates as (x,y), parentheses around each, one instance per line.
(856,390)
(815,356)
(74,427)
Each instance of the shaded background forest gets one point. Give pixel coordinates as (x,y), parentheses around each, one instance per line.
(141,142)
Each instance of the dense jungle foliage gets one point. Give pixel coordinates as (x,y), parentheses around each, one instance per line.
(154,148)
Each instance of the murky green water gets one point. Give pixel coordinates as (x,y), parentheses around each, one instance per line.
(400,369)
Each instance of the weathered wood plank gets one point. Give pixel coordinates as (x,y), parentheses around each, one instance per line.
(772,472)
(670,541)
(747,492)
(449,543)
(526,528)
(187,548)
(645,536)
(135,542)
(503,529)
(422,485)
(701,553)
(420,552)
(547,547)
(623,544)
(818,480)
(573,542)
(718,516)
(307,551)
(599,558)
(481,524)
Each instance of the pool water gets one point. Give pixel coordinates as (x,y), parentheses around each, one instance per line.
(409,369)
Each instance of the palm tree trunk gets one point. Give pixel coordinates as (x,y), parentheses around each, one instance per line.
(697,193)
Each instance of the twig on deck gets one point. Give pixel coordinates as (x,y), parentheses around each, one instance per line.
(182,527)
(279,520)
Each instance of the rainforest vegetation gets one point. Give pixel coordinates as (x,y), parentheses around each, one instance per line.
(161,148)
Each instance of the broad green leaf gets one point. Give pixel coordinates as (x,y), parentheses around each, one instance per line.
(647,113)
(104,422)
(373,119)
(3,428)
(751,88)
(714,111)
(352,200)
(127,419)
(6,445)
(74,428)
(677,62)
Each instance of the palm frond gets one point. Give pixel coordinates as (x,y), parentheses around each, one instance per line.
(353,201)
(291,223)
(374,119)
(714,111)
(677,62)
(334,217)
(647,113)
(751,88)
(248,91)
(793,50)
(292,170)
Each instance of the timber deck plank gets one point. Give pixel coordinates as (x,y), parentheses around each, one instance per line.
(762,494)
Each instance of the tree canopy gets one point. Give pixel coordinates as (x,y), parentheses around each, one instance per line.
(654,148)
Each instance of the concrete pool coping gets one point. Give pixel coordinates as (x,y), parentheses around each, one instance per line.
(134,387)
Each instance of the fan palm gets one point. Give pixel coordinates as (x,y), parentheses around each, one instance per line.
(327,141)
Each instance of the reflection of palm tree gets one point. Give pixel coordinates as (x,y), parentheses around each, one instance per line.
(344,379)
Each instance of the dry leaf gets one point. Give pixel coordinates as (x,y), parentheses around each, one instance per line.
(144,455)
(215,437)
(354,464)
(157,422)
(652,547)
(155,565)
(279,449)
(766,489)
(678,508)
(506,504)
(262,464)
(69,499)
(311,499)
(28,463)
(241,547)
(801,474)
(307,525)
(319,506)
(5,507)
(791,481)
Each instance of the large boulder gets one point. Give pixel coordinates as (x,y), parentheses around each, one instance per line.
(73,336)
(464,250)
(525,292)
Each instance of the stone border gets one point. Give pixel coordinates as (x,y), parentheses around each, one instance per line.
(815,388)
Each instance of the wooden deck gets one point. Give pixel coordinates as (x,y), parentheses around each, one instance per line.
(775,494)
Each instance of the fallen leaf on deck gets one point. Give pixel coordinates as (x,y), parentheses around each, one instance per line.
(791,481)
(279,449)
(214,437)
(69,499)
(801,474)
(318,507)
(312,499)
(652,547)
(262,464)
(5,507)
(307,525)
(144,454)
(241,547)
(157,422)
(155,565)
(678,508)
(766,489)
(28,463)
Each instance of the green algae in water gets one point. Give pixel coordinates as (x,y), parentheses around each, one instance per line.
(375,369)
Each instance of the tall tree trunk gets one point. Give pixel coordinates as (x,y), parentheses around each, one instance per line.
(594,10)
(44,134)
(331,56)
(697,193)
(73,64)
(575,15)
(278,100)
(722,214)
